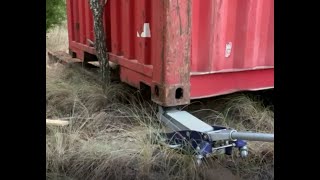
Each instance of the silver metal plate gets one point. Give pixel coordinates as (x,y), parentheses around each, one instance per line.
(185,121)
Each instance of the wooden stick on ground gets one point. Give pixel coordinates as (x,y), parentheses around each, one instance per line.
(56,122)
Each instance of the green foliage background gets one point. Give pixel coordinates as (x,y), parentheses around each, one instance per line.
(55,13)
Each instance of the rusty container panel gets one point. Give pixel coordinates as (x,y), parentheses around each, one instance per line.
(182,49)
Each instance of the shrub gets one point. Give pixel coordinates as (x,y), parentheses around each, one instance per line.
(55,12)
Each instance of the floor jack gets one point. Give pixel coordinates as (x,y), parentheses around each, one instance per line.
(190,133)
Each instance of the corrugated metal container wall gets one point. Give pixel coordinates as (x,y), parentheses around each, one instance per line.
(183,49)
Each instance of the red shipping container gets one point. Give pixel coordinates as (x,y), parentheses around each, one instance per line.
(182,49)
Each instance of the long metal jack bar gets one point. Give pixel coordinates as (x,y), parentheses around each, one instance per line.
(189,132)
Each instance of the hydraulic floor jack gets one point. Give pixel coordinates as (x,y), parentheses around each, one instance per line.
(190,133)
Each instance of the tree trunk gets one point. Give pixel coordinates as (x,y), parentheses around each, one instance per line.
(97,7)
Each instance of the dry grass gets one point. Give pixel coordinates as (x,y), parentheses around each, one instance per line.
(244,112)
(57,38)
(107,135)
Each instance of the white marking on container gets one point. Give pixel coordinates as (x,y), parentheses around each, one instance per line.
(228,49)
(146,31)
